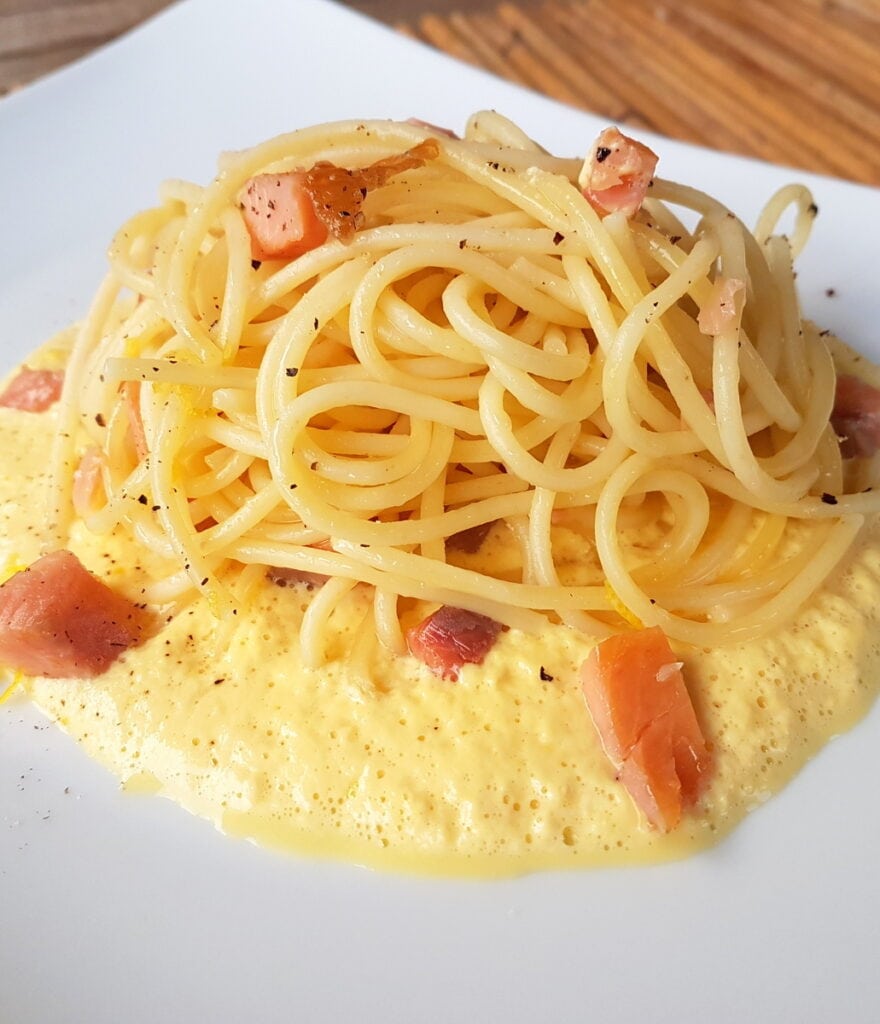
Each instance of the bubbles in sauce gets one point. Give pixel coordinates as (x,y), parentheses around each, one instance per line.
(496,774)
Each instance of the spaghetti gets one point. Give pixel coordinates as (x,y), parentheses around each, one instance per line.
(486,348)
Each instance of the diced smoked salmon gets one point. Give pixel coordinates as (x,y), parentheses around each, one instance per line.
(636,695)
(470,540)
(280,217)
(291,213)
(339,193)
(452,637)
(57,619)
(131,399)
(617,173)
(87,480)
(33,390)
(723,309)
(856,416)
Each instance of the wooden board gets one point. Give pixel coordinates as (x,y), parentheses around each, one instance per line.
(792,81)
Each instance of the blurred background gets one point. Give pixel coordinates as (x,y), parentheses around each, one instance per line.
(795,82)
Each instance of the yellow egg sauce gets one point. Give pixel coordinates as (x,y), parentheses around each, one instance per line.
(373,759)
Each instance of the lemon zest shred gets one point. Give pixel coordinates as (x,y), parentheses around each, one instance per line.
(15,683)
(11,567)
(621,608)
(135,344)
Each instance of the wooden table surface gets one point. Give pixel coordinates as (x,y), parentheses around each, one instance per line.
(792,81)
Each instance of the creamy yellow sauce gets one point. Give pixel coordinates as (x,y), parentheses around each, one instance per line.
(373,759)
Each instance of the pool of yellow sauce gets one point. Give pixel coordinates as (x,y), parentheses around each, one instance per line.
(373,759)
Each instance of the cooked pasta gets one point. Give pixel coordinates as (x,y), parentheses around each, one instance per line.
(486,350)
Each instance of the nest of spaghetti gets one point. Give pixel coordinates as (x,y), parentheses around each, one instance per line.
(463,372)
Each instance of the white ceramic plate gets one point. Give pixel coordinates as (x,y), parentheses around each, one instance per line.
(122,909)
